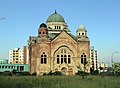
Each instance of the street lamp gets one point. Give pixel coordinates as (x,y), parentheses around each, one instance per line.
(112,57)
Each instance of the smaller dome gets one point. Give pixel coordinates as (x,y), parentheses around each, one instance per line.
(43,25)
(81,28)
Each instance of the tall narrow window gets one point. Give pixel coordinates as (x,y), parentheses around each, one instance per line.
(61,60)
(85,62)
(83,59)
(59,27)
(58,59)
(65,59)
(55,27)
(69,60)
(43,58)
(45,61)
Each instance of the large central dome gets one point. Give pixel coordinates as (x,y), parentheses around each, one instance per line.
(55,17)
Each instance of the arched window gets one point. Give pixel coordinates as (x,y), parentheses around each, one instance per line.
(55,27)
(63,56)
(43,58)
(59,27)
(83,58)
(39,32)
(82,33)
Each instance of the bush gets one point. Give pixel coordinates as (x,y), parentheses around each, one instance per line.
(82,73)
(104,74)
(24,73)
(44,74)
(115,73)
(96,72)
(6,73)
(57,73)
(34,74)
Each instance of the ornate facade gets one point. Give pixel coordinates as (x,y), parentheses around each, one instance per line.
(56,49)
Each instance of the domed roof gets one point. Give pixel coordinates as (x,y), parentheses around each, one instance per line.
(43,25)
(55,17)
(81,28)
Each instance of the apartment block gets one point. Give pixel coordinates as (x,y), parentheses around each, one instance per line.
(93,59)
(16,56)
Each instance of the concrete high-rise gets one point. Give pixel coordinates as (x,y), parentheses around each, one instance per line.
(93,59)
(16,56)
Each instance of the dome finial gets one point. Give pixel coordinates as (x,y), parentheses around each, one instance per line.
(55,11)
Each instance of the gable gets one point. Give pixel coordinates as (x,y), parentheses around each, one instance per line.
(64,35)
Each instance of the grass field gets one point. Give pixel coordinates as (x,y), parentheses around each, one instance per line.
(58,82)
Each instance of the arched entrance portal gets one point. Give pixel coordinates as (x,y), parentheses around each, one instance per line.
(64,70)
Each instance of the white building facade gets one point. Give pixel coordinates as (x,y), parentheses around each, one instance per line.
(93,58)
(16,56)
(102,67)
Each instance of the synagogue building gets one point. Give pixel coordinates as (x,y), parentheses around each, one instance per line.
(55,48)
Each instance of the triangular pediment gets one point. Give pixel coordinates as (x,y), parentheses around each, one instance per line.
(64,35)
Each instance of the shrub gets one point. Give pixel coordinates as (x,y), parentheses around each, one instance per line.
(96,72)
(34,74)
(7,73)
(82,73)
(56,73)
(24,73)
